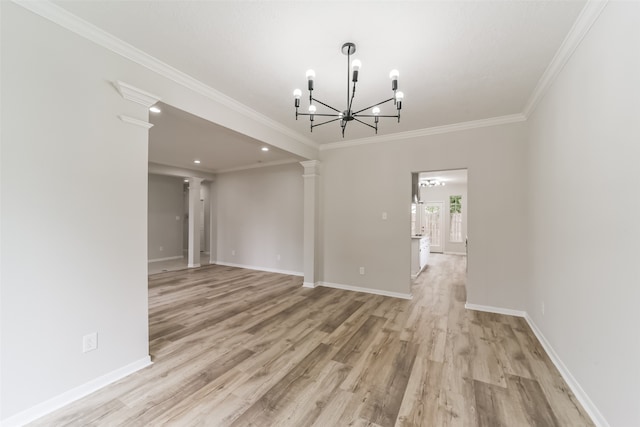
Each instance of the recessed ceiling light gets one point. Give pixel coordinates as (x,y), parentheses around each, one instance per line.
(265,148)
(155,109)
(186,180)
(197,162)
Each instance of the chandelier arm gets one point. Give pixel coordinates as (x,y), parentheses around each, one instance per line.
(364,123)
(319,115)
(324,123)
(373,115)
(328,106)
(374,105)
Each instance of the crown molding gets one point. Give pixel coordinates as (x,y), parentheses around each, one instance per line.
(136,122)
(436,130)
(73,23)
(257,166)
(580,28)
(65,19)
(132,93)
(177,171)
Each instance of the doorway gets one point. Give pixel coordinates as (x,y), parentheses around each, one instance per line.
(438,216)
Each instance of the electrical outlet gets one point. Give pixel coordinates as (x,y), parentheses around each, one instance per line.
(90,342)
(278,257)
(161,248)
(361,270)
(233,252)
(384,215)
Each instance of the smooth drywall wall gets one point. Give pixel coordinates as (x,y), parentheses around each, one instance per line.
(260,218)
(584,226)
(362,182)
(74,223)
(442,194)
(165,217)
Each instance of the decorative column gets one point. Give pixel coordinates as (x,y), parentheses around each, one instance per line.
(311,196)
(194,222)
(213,223)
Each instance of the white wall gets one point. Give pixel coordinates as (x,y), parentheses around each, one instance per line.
(260,216)
(74,200)
(583,159)
(361,182)
(164,206)
(442,194)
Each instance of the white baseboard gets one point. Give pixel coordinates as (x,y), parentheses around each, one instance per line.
(194,265)
(595,414)
(498,310)
(365,290)
(169,258)
(309,285)
(254,267)
(74,394)
(588,405)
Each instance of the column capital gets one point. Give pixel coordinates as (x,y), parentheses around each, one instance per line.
(132,93)
(311,167)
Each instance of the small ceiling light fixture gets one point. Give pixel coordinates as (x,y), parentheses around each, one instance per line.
(155,109)
(265,148)
(197,162)
(348,114)
(186,180)
(432,183)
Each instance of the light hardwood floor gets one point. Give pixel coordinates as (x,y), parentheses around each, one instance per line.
(234,347)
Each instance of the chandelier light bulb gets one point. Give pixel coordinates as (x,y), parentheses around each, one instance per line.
(312,109)
(393,75)
(375,111)
(399,98)
(310,76)
(356,64)
(297,93)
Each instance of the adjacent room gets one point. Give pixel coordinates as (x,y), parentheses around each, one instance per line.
(319,213)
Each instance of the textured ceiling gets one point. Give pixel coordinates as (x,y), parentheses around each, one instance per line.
(458,61)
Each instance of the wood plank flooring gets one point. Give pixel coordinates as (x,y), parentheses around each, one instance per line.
(234,347)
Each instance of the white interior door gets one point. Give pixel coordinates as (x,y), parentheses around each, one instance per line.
(434,225)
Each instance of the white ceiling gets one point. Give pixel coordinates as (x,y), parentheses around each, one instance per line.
(458,60)
(178,138)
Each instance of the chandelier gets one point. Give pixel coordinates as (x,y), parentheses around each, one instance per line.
(348,114)
(432,183)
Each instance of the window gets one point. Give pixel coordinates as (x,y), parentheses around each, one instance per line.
(455,212)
